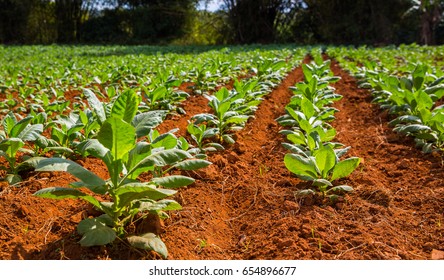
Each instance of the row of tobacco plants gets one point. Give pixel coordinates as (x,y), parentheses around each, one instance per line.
(313,156)
(232,108)
(411,91)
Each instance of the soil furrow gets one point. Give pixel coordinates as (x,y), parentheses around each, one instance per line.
(244,183)
(398,202)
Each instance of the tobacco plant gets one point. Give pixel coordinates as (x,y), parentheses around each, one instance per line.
(126,197)
(225,118)
(13,138)
(322,168)
(202,135)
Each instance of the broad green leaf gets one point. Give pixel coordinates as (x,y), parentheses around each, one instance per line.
(325,160)
(341,188)
(300,166)
(228,139)
(18,127)
(192,164)
(412,128)
(144,122)
(405,119)
(149,241)
(418,76)
(95,104)
(138,153)
(173,181)
(297,138)
(293,148)
(125,106)
(31,132)
(9,122)
(308,108)
(93,147)
(423,100)
(321,182)
(135,191)
(95,232)
(166,157)
(61,193)
(239,119)
(88,178)
(344,168)
(166,141)
(13,179)
(11,145)
(160,205)
(117,136)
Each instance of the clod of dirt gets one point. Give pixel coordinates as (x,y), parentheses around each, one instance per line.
(291,205)
(376,196)
(437,255)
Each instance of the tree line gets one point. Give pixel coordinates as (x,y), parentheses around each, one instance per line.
(374,22)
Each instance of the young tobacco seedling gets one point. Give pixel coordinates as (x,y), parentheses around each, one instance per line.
(200,133)
(322,168)
(13,138)
(225,118)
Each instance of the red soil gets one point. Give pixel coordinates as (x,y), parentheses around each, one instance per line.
(243,205)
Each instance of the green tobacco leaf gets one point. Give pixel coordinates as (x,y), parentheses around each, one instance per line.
(11,146)
(94,148)
(166,141)
(297,137)
(125,106)
(344,168)
(134,191)
(173,181)
(17,128)
(9,122)
(325,160)
(308,108)
(95,104)
(423,100)
(419,76)
(228,139)
(144,122)
(117,136)
(412,128)
(161,205)
(13,179)
(161,158)
(149,241)
(321,182)
(305,192)
(300,166)
(192,164)
(239,119)
(341,188)
(61,193)
(89,179)
(95,232)
(31,132)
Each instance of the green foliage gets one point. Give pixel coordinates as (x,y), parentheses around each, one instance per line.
(15,135)
(313,157)
(125,159)
(322,168)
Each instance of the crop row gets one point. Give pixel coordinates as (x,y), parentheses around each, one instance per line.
(313,156)
(412,95)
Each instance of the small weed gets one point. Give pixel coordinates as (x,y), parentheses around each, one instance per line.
(263,169)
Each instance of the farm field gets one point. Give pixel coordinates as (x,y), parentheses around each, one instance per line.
(259,152)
